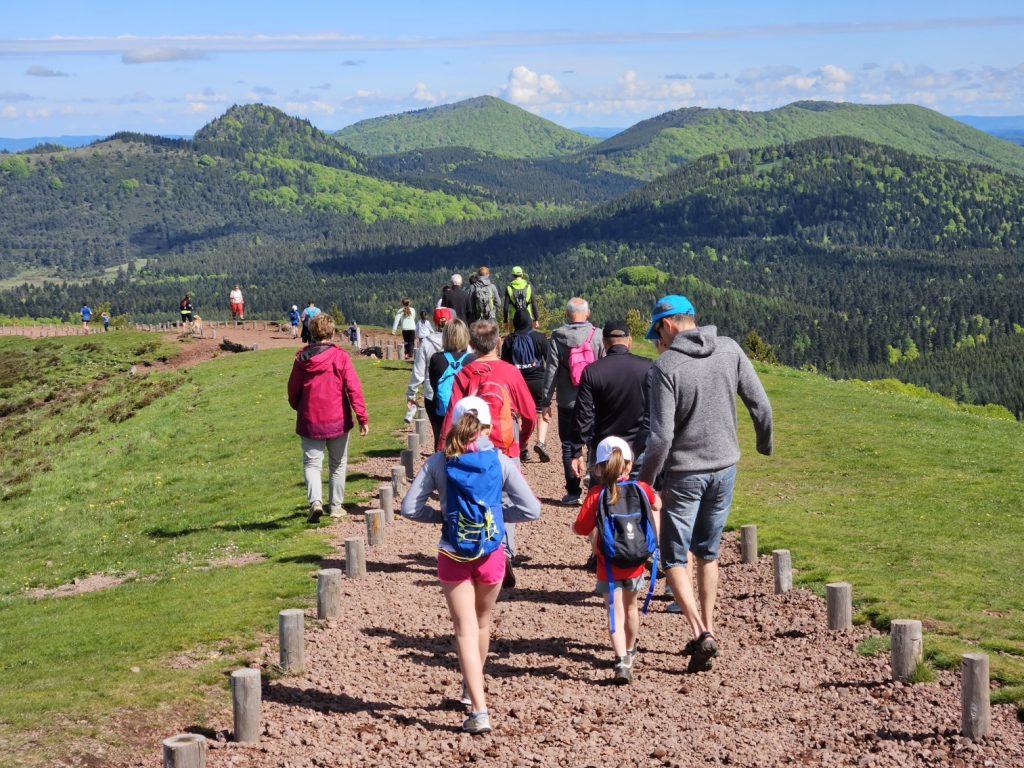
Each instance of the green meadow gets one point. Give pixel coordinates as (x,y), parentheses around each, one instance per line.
(167,481)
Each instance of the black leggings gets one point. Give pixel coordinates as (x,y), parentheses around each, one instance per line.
(409,337)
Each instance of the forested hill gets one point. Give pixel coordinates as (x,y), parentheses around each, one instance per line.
(484,123)
(656,146)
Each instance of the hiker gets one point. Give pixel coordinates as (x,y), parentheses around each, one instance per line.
(429,345)
(423,326)
(311,311)
(445,365)
(513,414)
(612,397)
(354,334)
(237,303)
(324,390)
(105,317)
(471,477)
(86,313)
(624,579)
(693,440)
(406,318)
(527,350)
(293,320)
(457,299)
(185,308)
(519,295)
(484,297)
(573,346)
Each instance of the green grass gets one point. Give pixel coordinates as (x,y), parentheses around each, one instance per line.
(209,468)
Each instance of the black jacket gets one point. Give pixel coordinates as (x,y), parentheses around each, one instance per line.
(456,298)
(613,399)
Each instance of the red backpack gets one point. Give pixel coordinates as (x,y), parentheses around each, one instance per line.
(504,426)
(580,357)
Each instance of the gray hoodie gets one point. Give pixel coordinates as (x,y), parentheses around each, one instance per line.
(556,370)
(694,384)
(421,364)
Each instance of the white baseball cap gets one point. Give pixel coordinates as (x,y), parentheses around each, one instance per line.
(474,405)
(604,449)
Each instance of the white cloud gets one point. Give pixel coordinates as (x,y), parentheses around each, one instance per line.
(834,79)
(8,112)
(528,88)
(208,94)
(196,107)
(37,71)
(156,55)
(422,93)
(309,107)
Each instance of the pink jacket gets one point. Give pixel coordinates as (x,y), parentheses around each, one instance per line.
(325,389)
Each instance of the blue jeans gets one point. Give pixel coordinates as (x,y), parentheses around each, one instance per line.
(695,506)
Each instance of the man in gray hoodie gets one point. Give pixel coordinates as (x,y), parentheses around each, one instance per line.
(693,439)
(558,380)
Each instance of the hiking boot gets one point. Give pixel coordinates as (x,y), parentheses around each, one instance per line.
(623,673)
(316,511)
(704,649)
(571,499)
(477,722)
(509,582)
(542,452)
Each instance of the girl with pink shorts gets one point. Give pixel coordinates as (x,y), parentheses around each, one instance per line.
(470,586)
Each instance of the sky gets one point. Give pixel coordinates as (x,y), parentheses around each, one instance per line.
(69,67)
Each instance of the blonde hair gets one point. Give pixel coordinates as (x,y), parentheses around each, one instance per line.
(321,327)
(461,435)
(455,336)
(611,470)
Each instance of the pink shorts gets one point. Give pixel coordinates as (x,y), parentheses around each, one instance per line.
(484,570)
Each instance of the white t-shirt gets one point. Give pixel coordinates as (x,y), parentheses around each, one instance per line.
(235,297)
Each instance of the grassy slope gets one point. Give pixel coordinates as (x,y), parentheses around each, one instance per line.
(656,146)
(909,499)
(484,123)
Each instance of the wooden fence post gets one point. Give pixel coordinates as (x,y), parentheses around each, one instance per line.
(410,470)
(387,501)
(413,442)
(355,558)
(748,543)
(906,649)
(292,640)
(328,593)
(374,527)
(840,605)
(782,568)
(975,701)
(246,701)
(421,412)
(423,432)
(186,750)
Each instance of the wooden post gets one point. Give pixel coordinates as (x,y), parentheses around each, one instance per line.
(387,352)
(186,750)
(246,701)
(387,501)
(905,647)
(355,558)
(292,640)
(840,605)
(421,412)
(398,480)
(748,543)
(410,470)
(782,568)
(413,441)
(328,593)
(423,432)
(374,527)
(975,704)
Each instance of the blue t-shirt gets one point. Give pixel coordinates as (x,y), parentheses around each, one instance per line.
(86,313)
(294,316)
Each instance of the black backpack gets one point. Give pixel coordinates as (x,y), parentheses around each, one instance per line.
(524,352)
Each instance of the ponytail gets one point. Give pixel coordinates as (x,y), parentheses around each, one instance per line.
(611,471)
(461,435)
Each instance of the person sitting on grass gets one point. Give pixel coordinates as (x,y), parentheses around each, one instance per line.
(470,476)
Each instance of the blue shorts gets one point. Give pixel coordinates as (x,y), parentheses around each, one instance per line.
(695,506)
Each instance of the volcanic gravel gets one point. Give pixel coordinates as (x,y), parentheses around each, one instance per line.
(381,680)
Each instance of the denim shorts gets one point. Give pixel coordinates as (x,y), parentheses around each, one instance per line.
(695,506)
(634,584)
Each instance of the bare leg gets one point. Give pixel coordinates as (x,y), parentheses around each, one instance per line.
(470,608)
(682,589)
(619,635)
(542,429)
(707,590)
(631,608)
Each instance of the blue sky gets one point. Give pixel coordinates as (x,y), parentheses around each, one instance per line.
(72,67)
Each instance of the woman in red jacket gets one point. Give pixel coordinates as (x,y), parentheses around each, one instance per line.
(324,389)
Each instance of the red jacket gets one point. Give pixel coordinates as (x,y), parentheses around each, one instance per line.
(325,389)
(586,521)
(505,433)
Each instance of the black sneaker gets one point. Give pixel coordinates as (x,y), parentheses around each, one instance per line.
(704,650)
(509,582)
(542,452)
(571,499)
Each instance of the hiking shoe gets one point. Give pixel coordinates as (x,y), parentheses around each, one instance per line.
(316,511)
(623,673)
(705,648)
(509,582)
(524,456)
(340,513)
(477,722)
(542,452)
(571,499)
(673,607)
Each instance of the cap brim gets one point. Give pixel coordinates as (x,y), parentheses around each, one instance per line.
(651,335)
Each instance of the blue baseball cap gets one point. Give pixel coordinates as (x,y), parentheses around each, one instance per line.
(668,306)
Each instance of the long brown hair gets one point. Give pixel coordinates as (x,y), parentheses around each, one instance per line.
(406,309)
(461,435)
(611,470)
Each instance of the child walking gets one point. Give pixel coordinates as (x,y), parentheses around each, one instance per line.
(470,476)
(622,516)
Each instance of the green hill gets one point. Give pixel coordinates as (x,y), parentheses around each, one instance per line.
(484,123)
(656,146)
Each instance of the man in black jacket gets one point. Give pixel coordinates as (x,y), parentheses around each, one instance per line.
(456,298)
(612,398)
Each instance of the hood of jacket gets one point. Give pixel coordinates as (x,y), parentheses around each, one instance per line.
(518,284)
(317,357)
(484,280)
(696,342)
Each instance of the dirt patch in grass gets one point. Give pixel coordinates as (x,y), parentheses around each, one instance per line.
(94,582)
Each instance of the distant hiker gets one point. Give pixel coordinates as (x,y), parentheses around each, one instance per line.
(423,326)
(612,397)
(185,307)
(471,477)
(457,299)
(105,317)
(519,295)
(86,313)
(406,318)
(324,389)
(293,319)
(354,334)
(572,346)
(445,365)
(501,386)
(311,311)
(484,297)
(527,350)
(620,558)
(693,439)
(237,302)
(429,346)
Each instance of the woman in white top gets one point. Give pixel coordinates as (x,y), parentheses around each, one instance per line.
(406,318)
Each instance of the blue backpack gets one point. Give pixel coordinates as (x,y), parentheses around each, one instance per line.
(473,522)
(443,391)
(524,352)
